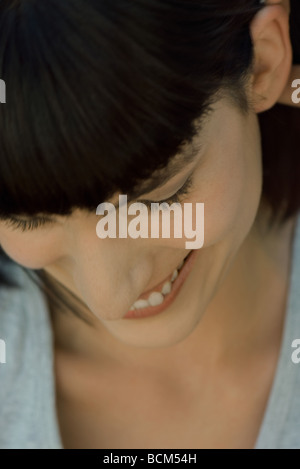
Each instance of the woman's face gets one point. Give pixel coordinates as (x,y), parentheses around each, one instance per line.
(110,275)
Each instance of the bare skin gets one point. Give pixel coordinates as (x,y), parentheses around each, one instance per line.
(198,375)
(184,406)
(186,396)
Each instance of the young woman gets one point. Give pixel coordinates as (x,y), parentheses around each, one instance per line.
(161,101)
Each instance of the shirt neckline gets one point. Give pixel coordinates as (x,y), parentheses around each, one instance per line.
(282,387)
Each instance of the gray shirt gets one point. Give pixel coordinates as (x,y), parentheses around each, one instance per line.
(28,416)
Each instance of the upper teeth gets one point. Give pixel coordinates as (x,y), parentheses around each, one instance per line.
(167,287)
(156,298)
(175,275)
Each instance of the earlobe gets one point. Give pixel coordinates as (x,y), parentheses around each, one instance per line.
(272,56)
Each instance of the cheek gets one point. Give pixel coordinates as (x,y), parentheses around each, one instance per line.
(31,250)
(231,192)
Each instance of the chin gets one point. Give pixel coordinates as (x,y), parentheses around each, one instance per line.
(152,341)
(161,331)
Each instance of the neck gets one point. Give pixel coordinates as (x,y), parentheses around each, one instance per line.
(245,316)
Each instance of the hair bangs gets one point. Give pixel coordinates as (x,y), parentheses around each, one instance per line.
(74,128)
(98,102)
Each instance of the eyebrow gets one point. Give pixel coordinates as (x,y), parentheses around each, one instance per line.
(184,158)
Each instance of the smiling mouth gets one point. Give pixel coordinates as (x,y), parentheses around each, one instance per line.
(158,298)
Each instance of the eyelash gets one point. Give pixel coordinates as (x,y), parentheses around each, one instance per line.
(178,197)
(38,222)
(28,225)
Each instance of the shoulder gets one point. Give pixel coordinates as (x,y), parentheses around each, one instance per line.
(288,396)
(23,314)
(25,332)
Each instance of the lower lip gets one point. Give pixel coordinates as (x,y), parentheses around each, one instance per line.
(176,286)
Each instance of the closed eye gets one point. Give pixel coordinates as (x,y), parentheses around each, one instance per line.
(178,197)
(29,224)
(37,222)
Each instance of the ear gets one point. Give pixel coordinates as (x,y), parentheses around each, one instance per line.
(272,56)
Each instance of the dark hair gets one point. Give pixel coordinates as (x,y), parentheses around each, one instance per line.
(295,30)
(100,94)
